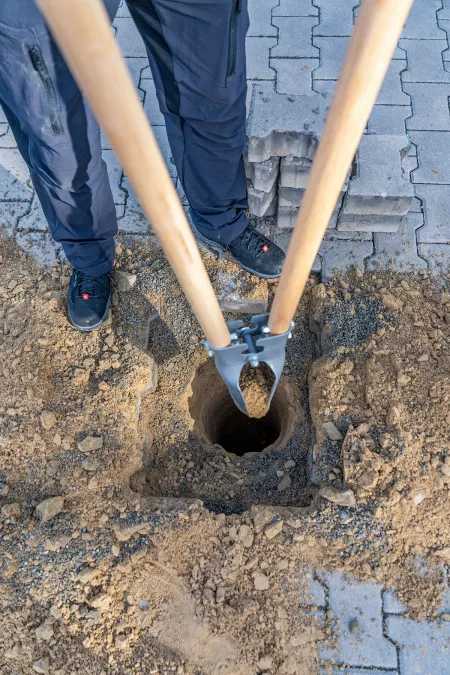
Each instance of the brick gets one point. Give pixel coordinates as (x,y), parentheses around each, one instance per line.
(349,600)
(259,202)
(294,76)
(258,58)
(369,223)
(14,176)
(437,256)
(130,42)
(260,13)
(294,37)
(10,214)
(294,172)
(389,119)
(287,217)
(41,246)
(336,18)
(263,175)
(422,21)
(424,647)
(425,61)
(295,8)
(429,105)
(433,150)
(280,124)
(379,187)
(292,197)
(336,235)
(391,603)
(398,251)
(436,207)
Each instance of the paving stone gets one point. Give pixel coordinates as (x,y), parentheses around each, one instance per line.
(389,119)
(151,104)
(399,252)
(259,202)
(34,218)
(379,187)
(436,206)
(282,239)
(263,175)
(341,255)
(295,8)
(430,106)
(294,76)
(130,42)
(287,217)
(123,10)
(292,197)
(337,235)
(437,256)
(433,150)
(41,246)
(14,176)
(369,223)
(424,647)
(425,61)
(136,65)
(294,172)
(258,58)
(422,21)
(391,90)
(280,124)
(332,52)
(115,176)
(10,214)
(355,671)
(134,220)
(260,13)
(409,164)
(3,119)
(416,205)
(349,600)
(336,18)
(294,37)
(391,603)
(7,139)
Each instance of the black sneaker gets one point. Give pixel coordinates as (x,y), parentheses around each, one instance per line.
(252,250)
(88,300)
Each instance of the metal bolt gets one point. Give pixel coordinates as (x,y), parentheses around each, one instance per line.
(265,330)
(253,361)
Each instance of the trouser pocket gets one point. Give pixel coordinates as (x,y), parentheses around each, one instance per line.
(233,38)
(51,98)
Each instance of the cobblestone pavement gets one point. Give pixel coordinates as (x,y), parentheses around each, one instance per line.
(295,48)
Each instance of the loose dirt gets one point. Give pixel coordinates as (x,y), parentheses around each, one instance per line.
(168,553)
(256,386)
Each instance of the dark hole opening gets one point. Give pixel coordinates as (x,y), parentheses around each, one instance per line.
(239,434)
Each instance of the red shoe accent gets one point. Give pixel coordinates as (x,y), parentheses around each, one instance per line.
(85,296)
(265,248)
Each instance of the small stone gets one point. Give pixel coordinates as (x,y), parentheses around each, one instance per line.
(115,550)
(86,574)
(13,652)
(48,419)
(273,529)
(90,443)
(4,489)
(44,631)
(340,497)
(391,302)
(89,465)
(246,536)
(332,431)
(11,510)
(289,464)
(444,553)
(261,581)
(49,508)
(220,594)
(41,665)
(393,416)
(423,358)
(353,626)
(284,483)
(265,663)
(121,642)
(403,380)
(101,602)
(124,280)
(418,498)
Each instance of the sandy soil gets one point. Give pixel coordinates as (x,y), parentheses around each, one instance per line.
(161,552)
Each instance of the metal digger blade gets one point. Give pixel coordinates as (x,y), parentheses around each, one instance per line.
(254,345)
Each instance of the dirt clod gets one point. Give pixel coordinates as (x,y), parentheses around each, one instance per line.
(256,386)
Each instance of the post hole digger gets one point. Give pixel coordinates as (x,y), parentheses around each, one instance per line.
(81,29)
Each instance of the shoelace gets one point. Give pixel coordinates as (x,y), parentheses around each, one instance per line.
(86,286)
(253,240)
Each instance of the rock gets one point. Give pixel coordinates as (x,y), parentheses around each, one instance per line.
(49,508)
(220,594)
(423,358)
(44,631)
(340,497)
(101,602)
(90,443)
(261,581)
(265,663)
(353,626)
(273,529)
(246,536)
(89,465)
(11,510)
(86,574)
(418,498)
(235,304)
(289,464)
(391,302)
(284,483)
(403,380)
(13,652)
(393,416)
(41,665)
(4,489)
(332,431)
(48,419)
(124,280)
(444,553)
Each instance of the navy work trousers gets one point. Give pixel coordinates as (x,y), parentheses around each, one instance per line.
(196,51)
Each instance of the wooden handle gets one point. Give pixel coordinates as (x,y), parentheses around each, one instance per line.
(375,37)
(82,30)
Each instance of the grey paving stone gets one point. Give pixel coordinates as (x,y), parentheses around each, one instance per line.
(337,235)
(294,37)
(425,60)
(263,175)
(437,256)
(341,255)
(398,252)
(10,214)
(260,12)
(429,105)
(326,670)
(388,119)
(134,220)
(295,8)
(7,139)
(33,218)
(294,76)
(294,172)
(424,647)
(3,119)
(391,603)
(349,600)
(416,205)
(336,18)
(115,176)
(436,206)
(259,202)
(391,90)
(40,245)
(151,105)
(122,10)
(282,239)
(130,42)
(287,217)
(379,187)
(136,65)
(369,223)
(433,150)
(14,176)
(280,124)
(409,164)
(258,58)
(292,197)
(332,52)
(422,21)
